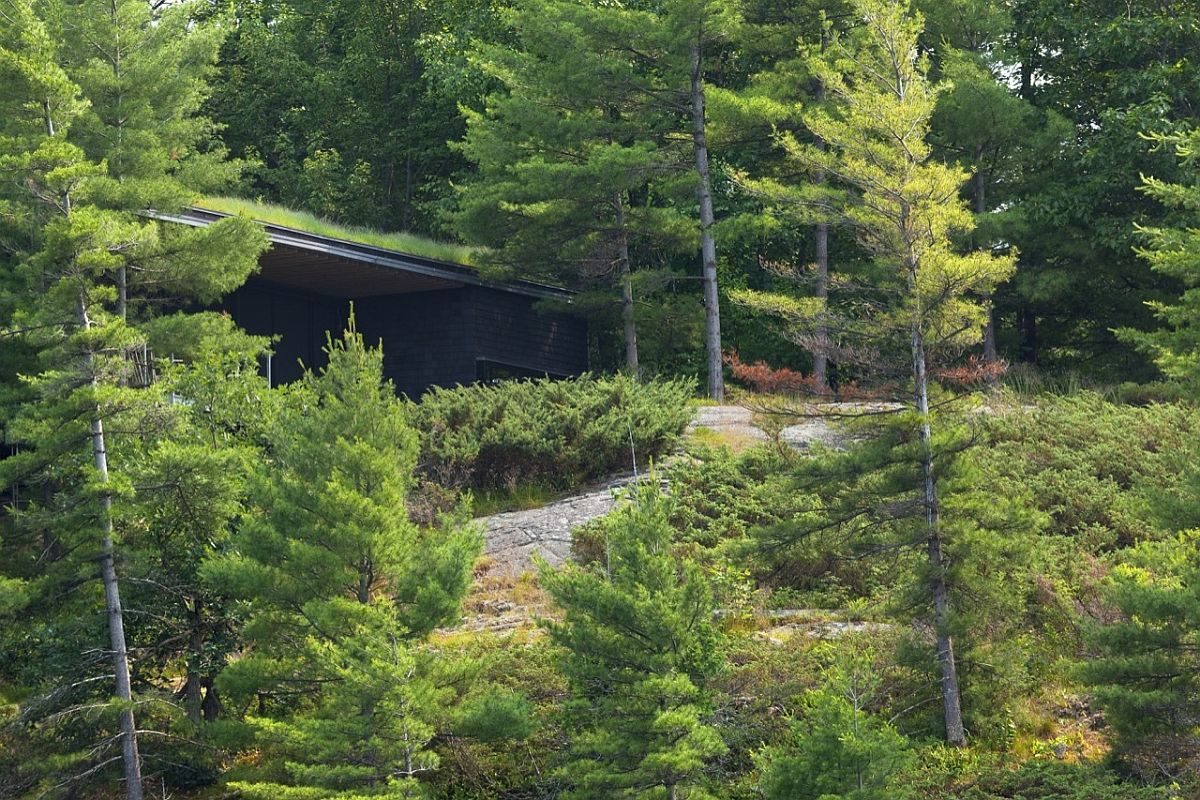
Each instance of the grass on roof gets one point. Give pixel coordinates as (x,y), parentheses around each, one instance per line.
(311,223)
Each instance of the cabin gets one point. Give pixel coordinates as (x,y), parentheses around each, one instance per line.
(439,323)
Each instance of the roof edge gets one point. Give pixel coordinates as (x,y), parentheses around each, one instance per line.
(370,254)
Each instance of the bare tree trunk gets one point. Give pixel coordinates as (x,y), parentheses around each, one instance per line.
(951,699)
(989,332)
(112,596)
(627,317)
(821,351)
(708,248)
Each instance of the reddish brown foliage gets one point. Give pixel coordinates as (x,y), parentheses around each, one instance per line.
(762,378)
(974,372)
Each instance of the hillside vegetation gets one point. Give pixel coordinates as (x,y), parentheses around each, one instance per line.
(943,252)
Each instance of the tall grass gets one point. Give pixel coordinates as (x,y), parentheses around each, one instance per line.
(311,223)
(1028,383)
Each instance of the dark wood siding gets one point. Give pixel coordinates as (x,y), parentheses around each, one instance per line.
(428,337)
(433,338)
(297,318)
(510,331)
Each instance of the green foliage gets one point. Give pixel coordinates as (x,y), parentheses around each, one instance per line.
(838,747)
(1171,251)
(312,223)
(721,497)
(1102,472)
(558,433)
(639,643)
(495,716)
(99,103)
(1047,780)
(1144,669)
(1115,73)
(571,155)
(339,586)
(358,131)
(863,504)
(506,733)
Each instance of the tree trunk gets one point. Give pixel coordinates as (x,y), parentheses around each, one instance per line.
(193,698)
(112,596)
(989,332)
(211,707)
(708,248)
(951,700)
(1029,333)
(821,351)
(122,293)
(627,318)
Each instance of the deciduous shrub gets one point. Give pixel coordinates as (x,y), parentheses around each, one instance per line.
(763,378)
(552,432)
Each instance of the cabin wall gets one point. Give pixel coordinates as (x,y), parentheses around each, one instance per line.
(510,332)
(433,338)
(428,337)
(299,319)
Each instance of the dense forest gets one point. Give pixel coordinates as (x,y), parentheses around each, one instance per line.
(937,259)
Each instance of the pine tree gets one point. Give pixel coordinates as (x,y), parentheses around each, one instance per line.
(838,747)
(905,209)
(639,643)
(982,124)
(191,474)
(1172,251)
(773,102)
(339,586)
(566,156)
(688,33)
(85,174)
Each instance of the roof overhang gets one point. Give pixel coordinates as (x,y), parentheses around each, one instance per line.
(341,268)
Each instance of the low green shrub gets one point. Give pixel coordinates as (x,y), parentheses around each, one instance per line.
(551,433)
(1103,472)
(1051,780)
(972,774)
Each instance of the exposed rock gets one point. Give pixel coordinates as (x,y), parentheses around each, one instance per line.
(736,421)
(812,432)
(830,629)
(514,536)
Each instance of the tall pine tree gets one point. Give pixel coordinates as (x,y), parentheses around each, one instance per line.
(98,107)
(921,307)
(568,158)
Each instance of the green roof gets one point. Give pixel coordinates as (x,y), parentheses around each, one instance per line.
(311,223)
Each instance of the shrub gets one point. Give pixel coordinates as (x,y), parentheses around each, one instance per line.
(973,774)
(765,379)
(1048,780)
(1103,472)
(556,433)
